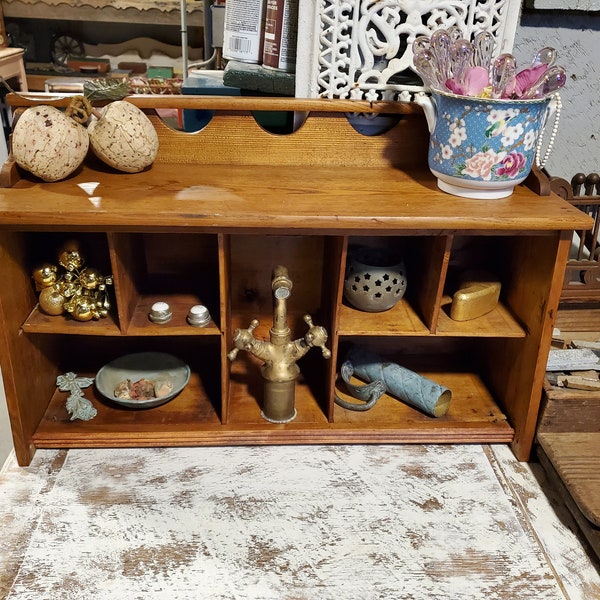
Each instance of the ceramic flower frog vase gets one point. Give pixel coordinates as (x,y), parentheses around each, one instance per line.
(482,147)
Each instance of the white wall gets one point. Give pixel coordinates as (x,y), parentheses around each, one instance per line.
(6,443)
(576,36)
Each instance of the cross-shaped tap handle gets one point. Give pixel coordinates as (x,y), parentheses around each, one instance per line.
(242,339)
(316,336)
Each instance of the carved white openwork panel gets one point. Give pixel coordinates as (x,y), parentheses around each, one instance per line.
(363,48)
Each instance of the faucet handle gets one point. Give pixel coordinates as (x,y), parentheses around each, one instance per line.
(242,339)
(232,354)
(316,336)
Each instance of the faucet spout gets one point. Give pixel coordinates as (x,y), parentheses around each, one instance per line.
(281,284)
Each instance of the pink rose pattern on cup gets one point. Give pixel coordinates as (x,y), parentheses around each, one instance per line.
(507,137)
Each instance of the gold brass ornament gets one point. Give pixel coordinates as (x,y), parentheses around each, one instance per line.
(69,256)
(77,290)
(44,276)
(52,301)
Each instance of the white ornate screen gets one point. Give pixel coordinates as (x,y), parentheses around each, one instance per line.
(362,49)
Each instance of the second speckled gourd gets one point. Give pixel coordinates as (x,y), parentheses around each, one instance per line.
(123,137)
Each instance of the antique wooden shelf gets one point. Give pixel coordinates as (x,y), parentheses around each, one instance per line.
(209,221)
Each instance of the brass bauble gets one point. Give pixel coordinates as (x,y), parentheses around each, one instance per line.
(83,309)
(52,301)
(45,275)
(70,256)
(90,278)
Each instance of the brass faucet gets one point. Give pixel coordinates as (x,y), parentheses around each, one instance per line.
(280,354)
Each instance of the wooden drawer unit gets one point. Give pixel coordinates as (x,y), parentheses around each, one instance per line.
(208,223)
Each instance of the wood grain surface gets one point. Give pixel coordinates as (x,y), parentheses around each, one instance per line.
(575,456)
(294,523)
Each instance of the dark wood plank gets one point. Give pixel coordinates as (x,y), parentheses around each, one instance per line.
(575,457)
(566,410)
(591,532)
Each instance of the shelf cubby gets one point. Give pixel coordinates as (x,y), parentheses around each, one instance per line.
(181,270)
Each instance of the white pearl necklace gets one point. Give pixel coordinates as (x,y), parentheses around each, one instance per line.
(538,150)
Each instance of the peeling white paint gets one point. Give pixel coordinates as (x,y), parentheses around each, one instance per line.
(291,522)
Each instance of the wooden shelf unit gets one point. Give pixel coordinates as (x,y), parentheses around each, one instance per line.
(209,221)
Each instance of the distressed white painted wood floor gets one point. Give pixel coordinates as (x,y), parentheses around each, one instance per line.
(287,523)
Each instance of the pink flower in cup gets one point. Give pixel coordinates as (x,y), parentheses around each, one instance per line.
(480,165)
(474,81)
(523,80)
(511,165)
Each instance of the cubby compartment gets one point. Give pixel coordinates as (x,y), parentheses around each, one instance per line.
(312,264)
(424,260)
(455,364)
(45,248)
(196,408)
(181,270)
(507,260)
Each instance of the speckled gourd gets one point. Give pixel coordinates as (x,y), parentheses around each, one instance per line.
(48,143)
(123,137)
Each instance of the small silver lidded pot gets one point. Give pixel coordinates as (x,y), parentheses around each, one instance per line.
(160,313)
(375,279)
(198,316)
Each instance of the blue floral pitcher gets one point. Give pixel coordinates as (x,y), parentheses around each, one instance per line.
(481,147)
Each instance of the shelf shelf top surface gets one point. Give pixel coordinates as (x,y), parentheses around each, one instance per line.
(249,197)
(234,175)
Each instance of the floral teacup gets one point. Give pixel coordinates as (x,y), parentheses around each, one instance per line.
(481,147)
